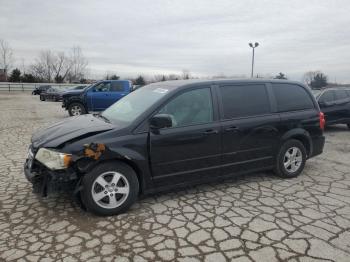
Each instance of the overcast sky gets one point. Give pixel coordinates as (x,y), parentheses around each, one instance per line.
(206,37)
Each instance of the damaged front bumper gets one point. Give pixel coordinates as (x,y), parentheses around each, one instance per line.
(46,181)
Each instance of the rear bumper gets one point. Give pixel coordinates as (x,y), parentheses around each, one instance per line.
(317,145)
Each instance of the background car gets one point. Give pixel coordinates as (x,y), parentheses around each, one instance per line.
(38,90)
(55,93)
(335,104)
(96,97)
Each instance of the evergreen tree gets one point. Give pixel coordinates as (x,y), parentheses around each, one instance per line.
(281,76)
(319,81)
(15,75)
(140,81)
(29,78)
(114,77)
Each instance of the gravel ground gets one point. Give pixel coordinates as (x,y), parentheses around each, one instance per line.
(257,217)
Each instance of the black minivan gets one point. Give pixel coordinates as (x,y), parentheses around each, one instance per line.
(335,104)
(177,133)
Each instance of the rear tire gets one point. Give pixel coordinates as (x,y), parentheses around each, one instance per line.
(348,126)
(42,98)
(110,189)
(291,159)
(76,109)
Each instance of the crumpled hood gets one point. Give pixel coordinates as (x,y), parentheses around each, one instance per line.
(69,129)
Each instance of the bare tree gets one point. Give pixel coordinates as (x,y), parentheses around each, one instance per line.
(79,64)
(50,66)
(174,77)
(6,56)
(309,76)
(159,78)
(43,68)
(61,66)
(220,75)
(186,74)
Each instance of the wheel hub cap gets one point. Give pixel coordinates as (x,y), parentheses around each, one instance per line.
(110,189)
(76,110)
(293,159)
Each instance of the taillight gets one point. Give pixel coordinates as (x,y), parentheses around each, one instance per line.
(322,120)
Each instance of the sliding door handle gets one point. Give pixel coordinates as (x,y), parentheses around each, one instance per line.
(232,129)
(210,131)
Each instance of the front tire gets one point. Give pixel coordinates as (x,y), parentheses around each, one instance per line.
(110,189)
(291,159)
(76,109)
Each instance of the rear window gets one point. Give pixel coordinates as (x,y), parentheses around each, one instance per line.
(291,97)
(244,100)
(341,94)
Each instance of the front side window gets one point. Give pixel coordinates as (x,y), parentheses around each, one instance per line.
(291,97)
(244,100)
(190,108)
(103,87)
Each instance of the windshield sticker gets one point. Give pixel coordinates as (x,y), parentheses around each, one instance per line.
(160,90)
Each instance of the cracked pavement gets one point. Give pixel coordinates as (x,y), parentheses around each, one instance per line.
(257,217)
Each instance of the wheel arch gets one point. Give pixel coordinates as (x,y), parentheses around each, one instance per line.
(303,136)
(134,160)
(76,100)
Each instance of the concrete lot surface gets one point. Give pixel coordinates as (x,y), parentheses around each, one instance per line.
(256,217)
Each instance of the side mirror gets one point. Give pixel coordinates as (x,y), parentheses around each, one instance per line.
(160,121)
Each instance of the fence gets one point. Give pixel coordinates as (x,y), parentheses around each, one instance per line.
(9,86)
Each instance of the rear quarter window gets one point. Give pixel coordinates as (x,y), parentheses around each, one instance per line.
(291,97)
(327,96)
(244,100)
(118,86)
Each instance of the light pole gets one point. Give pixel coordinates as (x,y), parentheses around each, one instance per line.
(256,44)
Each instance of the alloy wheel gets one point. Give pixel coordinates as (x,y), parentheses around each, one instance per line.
(110,190)
(293,159)
(76,110)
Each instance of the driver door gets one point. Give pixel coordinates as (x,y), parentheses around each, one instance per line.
(190,150)
(100,96)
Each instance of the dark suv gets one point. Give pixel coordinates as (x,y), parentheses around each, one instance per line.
(335,104)
(172,134)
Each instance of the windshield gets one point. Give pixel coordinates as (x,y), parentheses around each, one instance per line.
(127,109)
